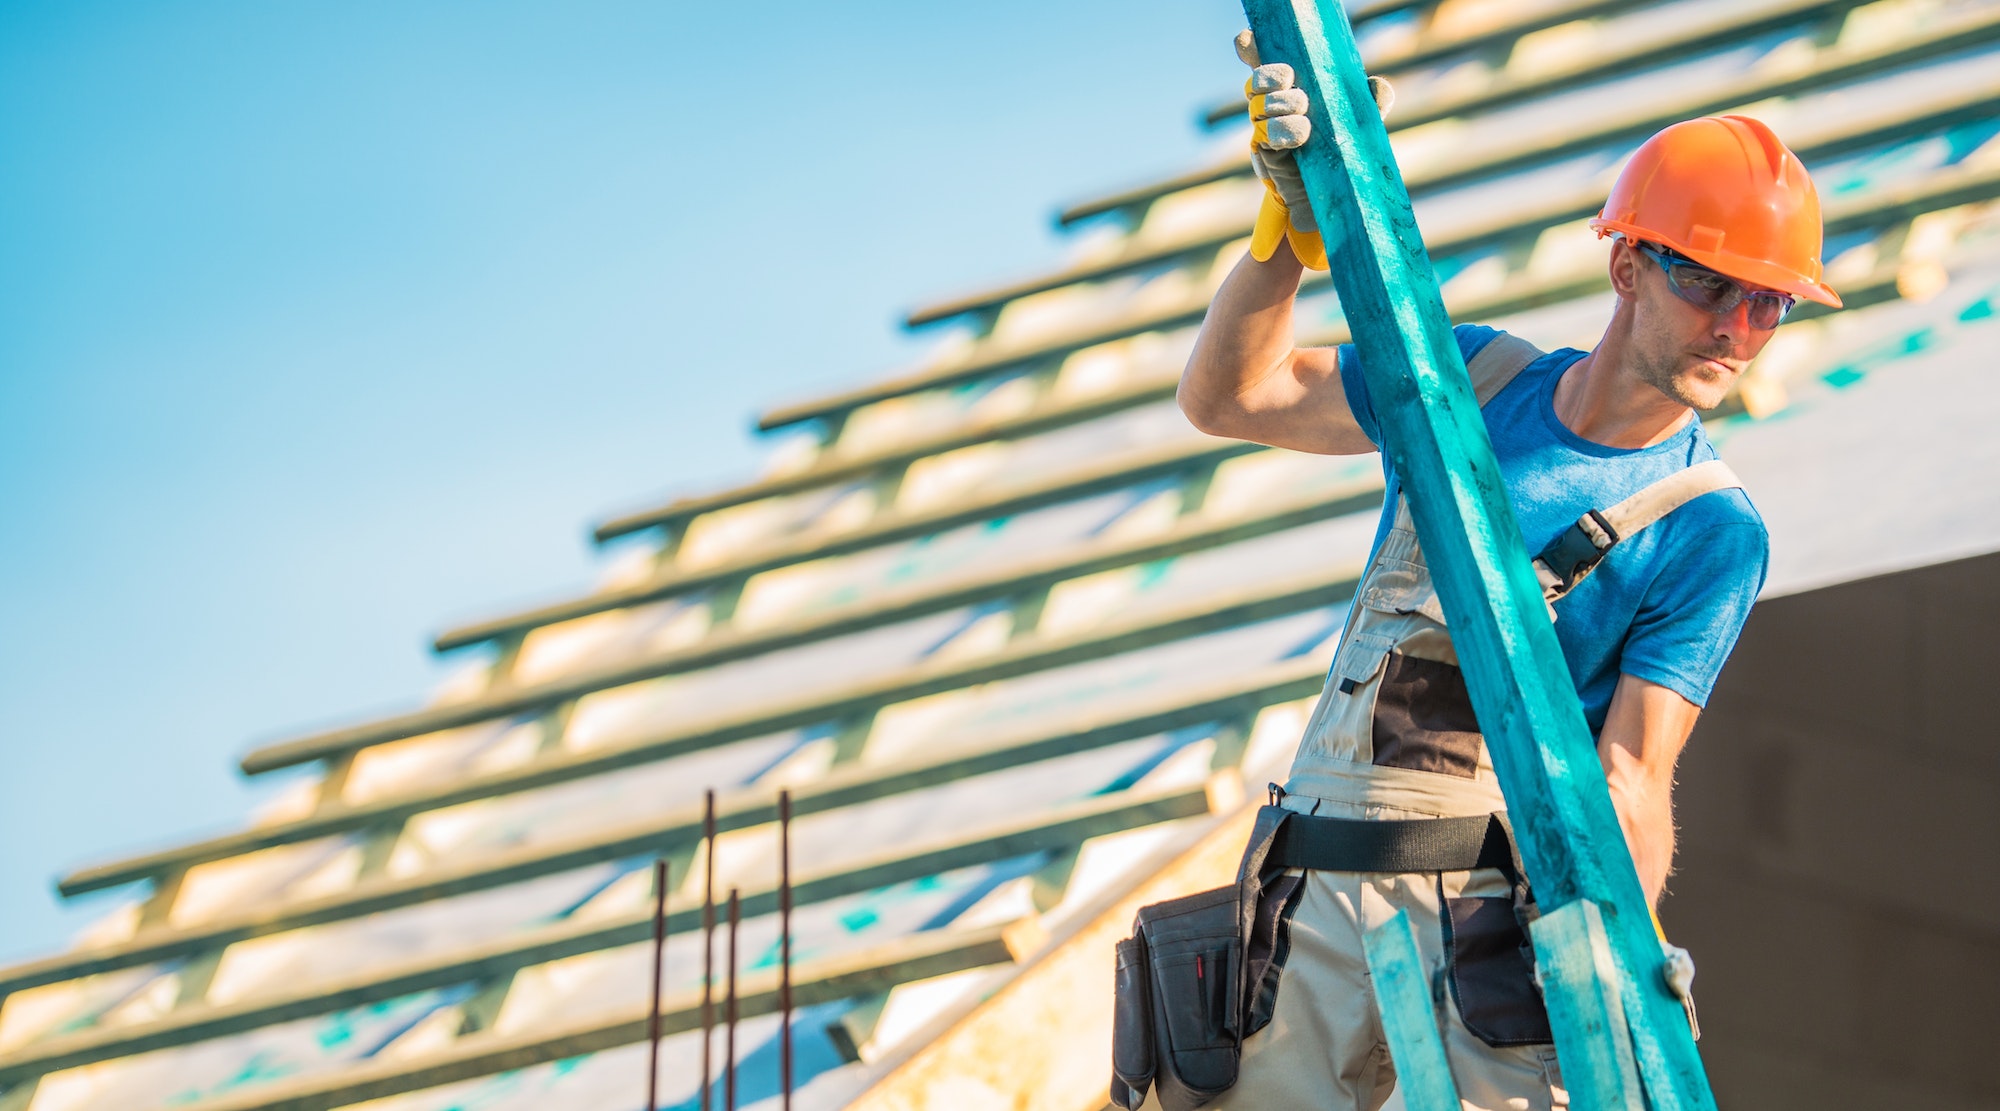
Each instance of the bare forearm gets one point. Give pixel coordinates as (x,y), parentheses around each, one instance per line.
(1644,731)
(1647,818)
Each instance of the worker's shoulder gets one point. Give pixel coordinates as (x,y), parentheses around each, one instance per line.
(1473,338)
(1731,509)
(1723,509)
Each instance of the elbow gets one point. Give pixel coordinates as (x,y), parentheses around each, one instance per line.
(1201,412)
(1216,413)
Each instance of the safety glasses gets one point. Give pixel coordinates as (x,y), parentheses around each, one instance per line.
(1711,292)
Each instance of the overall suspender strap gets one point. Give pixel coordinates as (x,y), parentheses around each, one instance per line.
(1491,368)
(1503,358)
(1577,552)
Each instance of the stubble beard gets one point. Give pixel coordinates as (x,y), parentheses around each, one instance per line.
(1688,386)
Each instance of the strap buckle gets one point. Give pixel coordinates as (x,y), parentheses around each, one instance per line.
(1575,554)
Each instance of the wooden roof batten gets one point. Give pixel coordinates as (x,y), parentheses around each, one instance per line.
(1109,723)
(1061,827)
(1830,65)
(929,597)
(1139,464)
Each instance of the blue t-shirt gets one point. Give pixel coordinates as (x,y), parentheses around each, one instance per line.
(1666,604)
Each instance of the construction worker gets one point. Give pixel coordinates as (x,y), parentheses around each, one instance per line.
(1714,235)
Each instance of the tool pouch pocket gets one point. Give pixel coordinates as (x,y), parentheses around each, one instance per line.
(1184,1000)
(1179,1001)
(1132,1062)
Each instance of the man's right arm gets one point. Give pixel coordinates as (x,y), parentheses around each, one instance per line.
(1246,380)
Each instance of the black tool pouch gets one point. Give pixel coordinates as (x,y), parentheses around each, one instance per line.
(1185,989)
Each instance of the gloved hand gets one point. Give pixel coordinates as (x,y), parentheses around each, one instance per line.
(1278,126)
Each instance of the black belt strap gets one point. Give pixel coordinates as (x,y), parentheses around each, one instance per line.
(1414,845)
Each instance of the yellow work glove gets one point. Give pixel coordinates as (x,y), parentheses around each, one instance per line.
(1278,126)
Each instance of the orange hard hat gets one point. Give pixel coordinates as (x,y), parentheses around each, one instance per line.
(1725,192)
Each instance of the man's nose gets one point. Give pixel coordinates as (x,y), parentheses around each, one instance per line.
(1734,324)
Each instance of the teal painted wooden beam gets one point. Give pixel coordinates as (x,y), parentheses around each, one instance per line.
(1572,950)
(1542,748)
(1409,1017)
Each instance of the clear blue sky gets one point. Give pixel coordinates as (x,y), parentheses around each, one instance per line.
(322,324)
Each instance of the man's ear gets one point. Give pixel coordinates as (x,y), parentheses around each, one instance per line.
(1624,268)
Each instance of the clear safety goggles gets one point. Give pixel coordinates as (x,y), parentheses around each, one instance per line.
(1712,292)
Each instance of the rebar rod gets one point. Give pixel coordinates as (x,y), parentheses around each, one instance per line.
(729,1010)
(659,968)
(785,949)
(707,945)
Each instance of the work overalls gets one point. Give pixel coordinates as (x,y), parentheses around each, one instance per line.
(1394,737)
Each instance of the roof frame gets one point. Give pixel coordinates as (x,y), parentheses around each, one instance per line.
(1411,113)
(1024,656)
(1112,722)
(1189,534)
(1582,202)
(915,958)
(1732,24)
(1031,652)
(1062,828)
(1830,65)
(1941,190)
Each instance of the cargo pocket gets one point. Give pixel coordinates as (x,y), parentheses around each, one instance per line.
(1360,660)
(1270,945)
(1132,1060)
(1403,586)
(1492,974)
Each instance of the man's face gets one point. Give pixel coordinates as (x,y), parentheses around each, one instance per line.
(1687,353)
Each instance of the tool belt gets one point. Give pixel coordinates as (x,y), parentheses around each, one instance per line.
(1416,845)
(1197,976)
